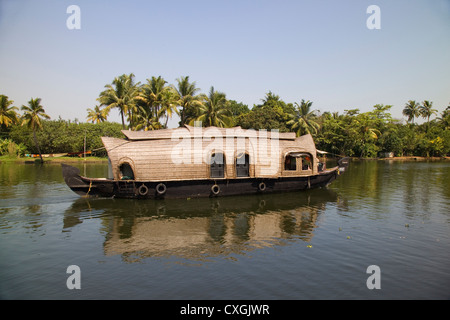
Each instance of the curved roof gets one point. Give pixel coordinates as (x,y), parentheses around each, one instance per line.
(199,132)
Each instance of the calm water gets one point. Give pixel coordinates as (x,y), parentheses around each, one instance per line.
(303,245)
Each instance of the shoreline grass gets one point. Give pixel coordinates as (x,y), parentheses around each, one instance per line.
(89,159)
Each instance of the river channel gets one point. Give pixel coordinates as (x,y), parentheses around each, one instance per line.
(316,244)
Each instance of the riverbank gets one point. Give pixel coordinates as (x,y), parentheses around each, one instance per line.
(408,158)
(89,159)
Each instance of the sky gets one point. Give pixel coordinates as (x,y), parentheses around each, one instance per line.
(322,51)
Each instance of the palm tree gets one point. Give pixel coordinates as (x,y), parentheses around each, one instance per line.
(32,117)
(96,115)
(214,111)
(145,120)
(121,94)
(303,120)
(169,104)
(426,111)
(363,129)
(444,120)
(271,97)
(411,110)
(150,100)
(366,125)
(8,115)
(188,100)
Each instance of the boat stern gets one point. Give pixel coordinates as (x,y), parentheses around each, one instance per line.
(86,187)
(73,180)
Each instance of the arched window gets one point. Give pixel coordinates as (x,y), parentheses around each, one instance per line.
(242,165)
(217,165)
(126,172)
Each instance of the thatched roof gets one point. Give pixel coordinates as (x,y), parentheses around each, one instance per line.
(199,132)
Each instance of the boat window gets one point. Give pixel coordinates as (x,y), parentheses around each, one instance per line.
(242,165)
(306,162)
(217,165)
(126,172)
(290,163)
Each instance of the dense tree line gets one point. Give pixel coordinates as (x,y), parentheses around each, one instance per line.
(354,133)
(61,136)
(149,106)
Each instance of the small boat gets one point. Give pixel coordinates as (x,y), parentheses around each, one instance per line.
(193,161)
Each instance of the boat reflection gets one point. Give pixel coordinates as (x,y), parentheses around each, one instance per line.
(198,229)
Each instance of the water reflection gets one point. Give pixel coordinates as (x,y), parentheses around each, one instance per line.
(199,229)
(380,188)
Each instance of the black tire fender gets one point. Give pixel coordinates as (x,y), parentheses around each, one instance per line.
(215,189)
(261,186)
(161,189)
(143,190)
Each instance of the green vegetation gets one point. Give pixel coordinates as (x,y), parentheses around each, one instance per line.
(32,118)
(60,136)
(11,149)
(149,106)
(367,134)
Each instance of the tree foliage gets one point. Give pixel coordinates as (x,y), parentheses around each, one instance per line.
(32,117)
(214,111)
(367,134)
(150,105)
(61,136)
(8,114)
(303,119)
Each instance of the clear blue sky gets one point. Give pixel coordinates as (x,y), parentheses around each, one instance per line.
(301,49)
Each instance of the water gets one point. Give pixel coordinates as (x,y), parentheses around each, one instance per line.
(304,245)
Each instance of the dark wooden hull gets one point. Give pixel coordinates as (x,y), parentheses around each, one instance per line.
(94,187)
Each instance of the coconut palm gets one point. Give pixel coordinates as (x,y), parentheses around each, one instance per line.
(363,129)
(32,117)
(169,104)
(365,124)
(303,120)
(121,94)
(8,114)
(145,120)
(444,119)
(411,110)
(214,111)
(150,100)
(426,110)
(96,115)
(188,99)
(271,97)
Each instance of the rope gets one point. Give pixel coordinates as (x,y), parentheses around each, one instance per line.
(90,185)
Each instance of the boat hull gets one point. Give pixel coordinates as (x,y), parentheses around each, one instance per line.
(94,187)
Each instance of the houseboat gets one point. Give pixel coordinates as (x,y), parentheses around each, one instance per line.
(193,161)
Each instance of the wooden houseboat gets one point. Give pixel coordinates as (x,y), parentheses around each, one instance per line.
(191,162)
